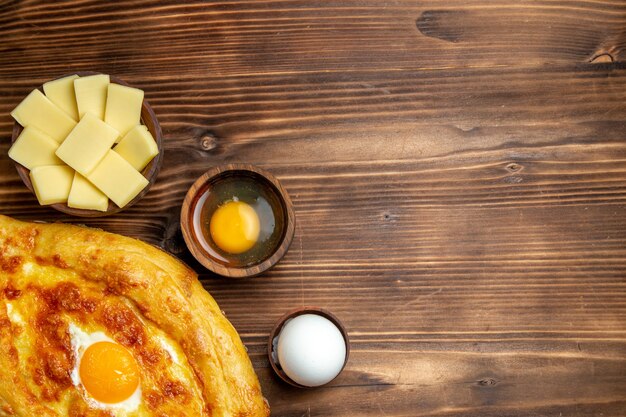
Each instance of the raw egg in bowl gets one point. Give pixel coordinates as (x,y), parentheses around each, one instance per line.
(237,220)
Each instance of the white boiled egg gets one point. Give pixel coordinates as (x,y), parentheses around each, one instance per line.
(310,349)
(105,372)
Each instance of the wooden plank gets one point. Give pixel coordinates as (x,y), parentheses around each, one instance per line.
(398,103)
(467,384)
(227,38)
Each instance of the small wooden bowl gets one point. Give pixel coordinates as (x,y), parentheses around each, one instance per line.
(202,185)
(279,326)
(151,171)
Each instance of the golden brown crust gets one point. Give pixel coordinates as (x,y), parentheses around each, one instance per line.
(162,289)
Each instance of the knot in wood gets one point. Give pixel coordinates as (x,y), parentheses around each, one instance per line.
(447,25)
(487,382)
(388,217)
(208,142)
(513,167)
(173,241)
(604,57)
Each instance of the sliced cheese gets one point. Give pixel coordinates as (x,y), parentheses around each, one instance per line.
(37,110)
(91,94)
(61,93)
(117,179)
(87,144)
(123,108)
(52,183)
(137,147)
(34,148)
(84,195)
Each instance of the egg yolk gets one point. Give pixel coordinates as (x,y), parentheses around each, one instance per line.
(235,227)
(109,372)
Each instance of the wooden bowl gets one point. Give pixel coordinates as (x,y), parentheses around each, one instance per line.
(279,326)
(151,171)
(202,185)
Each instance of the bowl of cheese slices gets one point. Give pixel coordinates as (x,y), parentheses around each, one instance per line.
(86,144)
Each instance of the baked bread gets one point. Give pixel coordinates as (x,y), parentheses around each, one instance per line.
(66,291)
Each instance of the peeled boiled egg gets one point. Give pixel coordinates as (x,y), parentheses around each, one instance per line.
(310,349)
(235,227)
(105,372)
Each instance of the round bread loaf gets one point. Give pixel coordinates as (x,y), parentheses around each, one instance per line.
(63,287)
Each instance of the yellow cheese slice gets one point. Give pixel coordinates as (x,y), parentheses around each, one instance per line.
(84,195)
(117,179)
(91,94)
(137,147)
(123,108)
(61,93)
(34,148)
(37,110)
(52,183)
(87,144)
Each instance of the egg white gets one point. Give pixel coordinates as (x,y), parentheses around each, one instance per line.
(80,341)
(166,346)
(14,316)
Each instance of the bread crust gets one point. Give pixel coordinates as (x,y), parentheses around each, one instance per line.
(165,292)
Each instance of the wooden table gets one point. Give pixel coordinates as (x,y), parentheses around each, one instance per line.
(458,171)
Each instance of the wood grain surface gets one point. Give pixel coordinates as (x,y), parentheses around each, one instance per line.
(457,168)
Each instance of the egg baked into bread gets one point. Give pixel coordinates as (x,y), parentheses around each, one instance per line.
(97,324)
